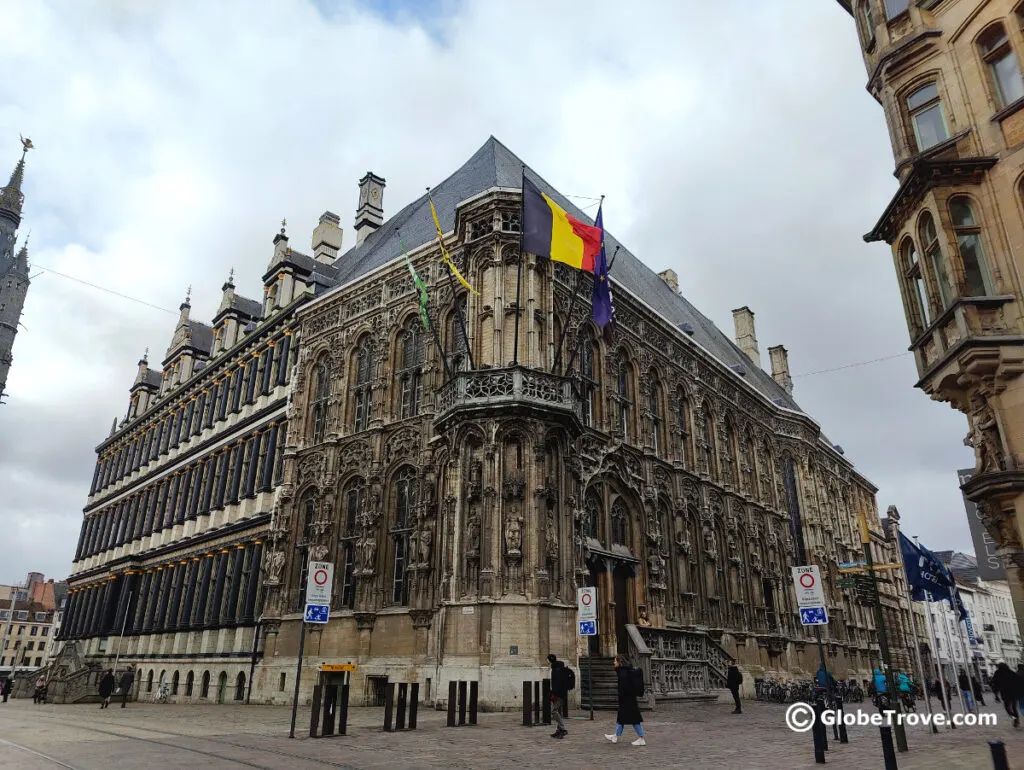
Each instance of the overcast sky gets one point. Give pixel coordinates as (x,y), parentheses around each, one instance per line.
(734,141)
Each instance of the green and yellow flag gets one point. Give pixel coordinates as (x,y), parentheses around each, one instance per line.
(444,252)
(421,287)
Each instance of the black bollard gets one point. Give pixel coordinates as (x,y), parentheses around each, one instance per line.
(330,703)
(819,736)
(536,703)
(389,707)
(343,707)
(462,704)
(403,697)
(474,697)
(414,704)
(999,761)
(527,708)
(314,717)
(888,751)
(843,737)
(451,703)
(545,696)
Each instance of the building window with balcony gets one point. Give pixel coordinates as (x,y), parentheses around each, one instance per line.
(406,496)
(914,287)
(321,394)
(410,369)
(998,55)
(933,251)
(927,117)
(362,390)
(978,282)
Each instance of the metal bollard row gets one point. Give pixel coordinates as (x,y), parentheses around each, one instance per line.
(407,701)
(457,695)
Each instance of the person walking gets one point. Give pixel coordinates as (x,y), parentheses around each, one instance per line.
(1009,686)
(979,693)
(125,685)
(107,684)
(5,688)
(39,695)
(964,682)
(563,679)
(733,680)
(630,687)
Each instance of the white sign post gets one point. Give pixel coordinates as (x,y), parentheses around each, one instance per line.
(810,597)
(586,611)
(319,580)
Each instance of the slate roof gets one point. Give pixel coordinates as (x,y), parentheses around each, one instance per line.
(202,336)
(250,308)
(494,165)
(153,378)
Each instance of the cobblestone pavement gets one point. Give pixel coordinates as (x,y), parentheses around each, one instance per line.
(680,735)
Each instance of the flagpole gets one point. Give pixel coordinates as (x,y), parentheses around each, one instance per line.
(579,341)
(519,269)
(955,601)
(430,321)
(943,695)
(917,645)
(568,322)
(952,661)
(455,300)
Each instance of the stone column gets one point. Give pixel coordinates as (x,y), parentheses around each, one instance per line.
(213,611)
(92,626)
(174,607)
(253,584)
(203,592)
(141,601)
(153,602)
(124,594)
(231,610)
(185,620)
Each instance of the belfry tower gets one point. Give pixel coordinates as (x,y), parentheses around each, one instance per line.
(14,278)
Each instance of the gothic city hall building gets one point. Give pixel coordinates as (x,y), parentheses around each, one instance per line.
(463,483)
(947,74)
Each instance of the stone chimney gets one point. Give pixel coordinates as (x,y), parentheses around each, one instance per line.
(370,214)
(327,238)
(780,367)
(670,277)
(746,338)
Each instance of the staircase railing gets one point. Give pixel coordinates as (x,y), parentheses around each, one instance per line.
(678,663)
(640,657)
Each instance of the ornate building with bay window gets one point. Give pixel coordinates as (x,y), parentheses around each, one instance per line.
(948,77)
(464,498)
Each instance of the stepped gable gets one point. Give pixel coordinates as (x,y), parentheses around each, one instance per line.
(494,165)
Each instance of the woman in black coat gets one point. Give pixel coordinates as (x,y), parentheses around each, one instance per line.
(106,688)
(629,710)
(1010,687)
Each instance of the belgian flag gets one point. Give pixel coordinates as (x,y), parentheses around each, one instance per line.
(550,231)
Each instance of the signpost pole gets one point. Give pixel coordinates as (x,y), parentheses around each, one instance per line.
(316,601)
(586,620)
(298,678)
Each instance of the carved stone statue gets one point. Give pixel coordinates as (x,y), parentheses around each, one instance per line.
(275,562)
(551,538)
(317,552)
(426,544)
(985,435)
(710,547)
(473,535)
(514,534)
(367,553)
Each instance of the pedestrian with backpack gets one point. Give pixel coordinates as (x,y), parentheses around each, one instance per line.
(631,687)
(563,679)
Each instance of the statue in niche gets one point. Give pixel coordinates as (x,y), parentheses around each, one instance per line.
(367,553)
(514,534)
(733,552)
(473,534)
(275,562)
(551,536)
(317,552)
(426,544)
(656,567)
(985,435)
(710,547)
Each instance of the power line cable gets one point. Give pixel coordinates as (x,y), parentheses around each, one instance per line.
(102,288)
(851,366)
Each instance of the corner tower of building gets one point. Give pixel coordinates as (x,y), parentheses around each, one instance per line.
(14,277)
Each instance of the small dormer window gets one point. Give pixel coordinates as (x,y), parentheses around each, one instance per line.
(510,222)
(480,228)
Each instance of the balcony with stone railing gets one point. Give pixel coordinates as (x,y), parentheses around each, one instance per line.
(676,663)
(513,388)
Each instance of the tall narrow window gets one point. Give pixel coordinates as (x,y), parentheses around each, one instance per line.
(623,395)
(1002,65)
(406,496)
(685,449)
(321,392)
(620,524)
(362,392)
(927,117)
(592,513)
(708,441)
(894,8)
(917,296)
(410,371)
(654,407)
(968,241)
(867,23)
(457,346)
(588,377)
(353,499)
(933,250)
(307,509)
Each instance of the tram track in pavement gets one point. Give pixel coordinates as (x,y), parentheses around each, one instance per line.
(36,718)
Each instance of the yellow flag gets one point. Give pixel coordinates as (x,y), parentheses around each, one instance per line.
(444,252)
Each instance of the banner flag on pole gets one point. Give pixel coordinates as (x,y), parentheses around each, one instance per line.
(928,577)
(421,287)
(444,252)
(604,310)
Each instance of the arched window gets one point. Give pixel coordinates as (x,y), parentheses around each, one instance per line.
(307,512)
(588,377)
(410,368)
(654,407)
(747,470)
(362,385)
(204,689)
(321,392)
(767,475)
(998,54)
(455,340)
(591,515)
(353,497)
(624,395)
(174,683)
(149,681)
(683,430)
(406,496)
(926,116)
(190,681)
(917,295)
(968,240)
(933,250)
(620,524)
(240,686)
(731,450)
(708,441)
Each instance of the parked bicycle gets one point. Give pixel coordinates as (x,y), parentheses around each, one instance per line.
(163,694)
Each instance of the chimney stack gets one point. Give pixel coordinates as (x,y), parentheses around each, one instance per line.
(327,238)
(780,368)
(746,338)
(670,277)
(370,214)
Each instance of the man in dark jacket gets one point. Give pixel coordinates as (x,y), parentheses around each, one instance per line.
(106,688)
(1010,688)
(127,680)
(5,688)
(733,681)
(559,694)
(629,709)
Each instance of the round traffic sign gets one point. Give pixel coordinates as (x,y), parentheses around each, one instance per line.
(807,580)
(585,599)
(320,577)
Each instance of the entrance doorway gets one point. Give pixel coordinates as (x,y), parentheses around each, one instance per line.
(621,576)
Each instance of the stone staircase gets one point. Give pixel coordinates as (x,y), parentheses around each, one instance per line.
(605,684)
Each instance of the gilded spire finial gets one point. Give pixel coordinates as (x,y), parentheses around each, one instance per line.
(26,144)
(284,224)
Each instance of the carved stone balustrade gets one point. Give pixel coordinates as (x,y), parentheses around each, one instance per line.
(513,388)
(677,664)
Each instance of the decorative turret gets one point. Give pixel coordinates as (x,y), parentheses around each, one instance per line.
(11,197)
(14,279)
(370,214)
